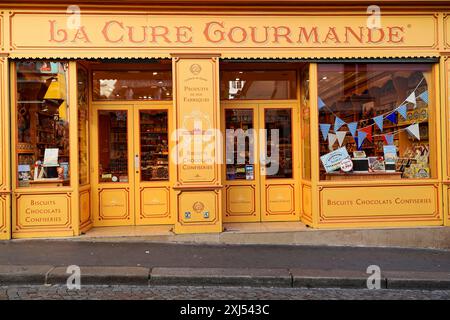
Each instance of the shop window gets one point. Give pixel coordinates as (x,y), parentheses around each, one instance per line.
(281,121)
(42,124)
(258,85)
(306,124)
(374,121)
(83,125)
(113,146)
(132,85)
(239,145)
(154,142)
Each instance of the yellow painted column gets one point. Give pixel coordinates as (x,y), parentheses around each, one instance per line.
(5,167)
(315,160)
(74,147)
(445,103)
(197,193)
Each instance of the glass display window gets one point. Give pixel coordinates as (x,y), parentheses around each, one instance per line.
(258,85)
(83,125)
(42,122)
(154,144)
(306,124)
(281,121)
(132,85)
(113,146)
(374,121)
(240,153)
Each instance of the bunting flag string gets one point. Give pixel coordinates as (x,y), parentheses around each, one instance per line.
(412,98)
(392,118)
(390,115)
(379,122)
(402,111)
(324,128)
(424,96)
(352,126)
(388,138)
(414,130)
(338,123)
(361,136)
(320,103)
(340,137)
(368,131)
(331,140)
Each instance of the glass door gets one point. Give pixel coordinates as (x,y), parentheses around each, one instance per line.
(131,165)
(151,161)
(113,201)
(241,168)
(261,182)
(279,183)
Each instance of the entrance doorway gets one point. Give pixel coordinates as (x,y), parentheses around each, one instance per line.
(256,191)
(130,149)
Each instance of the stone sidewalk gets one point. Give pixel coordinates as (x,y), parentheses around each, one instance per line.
(227,294)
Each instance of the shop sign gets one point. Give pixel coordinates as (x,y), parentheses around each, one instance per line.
(378,201)
(221,31)
(332,161)
(38,211)
(196,116)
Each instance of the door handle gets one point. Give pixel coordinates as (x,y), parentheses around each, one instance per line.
(136,163)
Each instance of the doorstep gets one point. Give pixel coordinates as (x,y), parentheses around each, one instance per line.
(279,233)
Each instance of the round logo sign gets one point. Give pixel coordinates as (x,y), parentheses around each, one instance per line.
(195,69)
(346,165)
(198,206)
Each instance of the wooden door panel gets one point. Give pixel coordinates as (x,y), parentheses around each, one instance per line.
(113,192)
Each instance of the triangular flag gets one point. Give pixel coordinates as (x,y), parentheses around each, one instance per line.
(402,111)
(368,131)
(338,122)
(412,98)
(324,128)
(379,122)
(414,130)
(361,136)
(341,136)
(331,140)
(320,103)
(392,117)
(389,139)
(424,96)
(352,126)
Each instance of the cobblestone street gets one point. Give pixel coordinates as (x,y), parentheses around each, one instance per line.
(209,293)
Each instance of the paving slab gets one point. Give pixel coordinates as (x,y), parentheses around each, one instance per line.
(310,278)
(103,275)
(24,274)
(221,276)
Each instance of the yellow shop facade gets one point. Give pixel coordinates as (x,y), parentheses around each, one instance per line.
(139,113)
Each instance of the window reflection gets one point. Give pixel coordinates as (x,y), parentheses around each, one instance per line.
(113,146)
(280,120)
(42,123)
(132,85)
(240,158)
(263,85)
(377,114)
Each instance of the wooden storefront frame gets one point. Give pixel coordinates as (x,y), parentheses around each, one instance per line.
(441,79)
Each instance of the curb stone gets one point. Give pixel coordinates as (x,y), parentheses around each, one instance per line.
(103,275)
(331,279)
(251,277)
(10,274)
(221,276)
